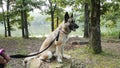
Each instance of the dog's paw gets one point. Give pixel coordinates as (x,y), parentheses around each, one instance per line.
(59,60)
(66,56)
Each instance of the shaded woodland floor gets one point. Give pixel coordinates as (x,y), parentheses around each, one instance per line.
(81,57)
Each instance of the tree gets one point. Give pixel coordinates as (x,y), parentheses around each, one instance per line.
(8,19)
(119,35)
(17,8)
(55,9)
(52,10)
(51,7)
(86,23)
(20,16)
(83,6)
(3,18)
(95,35)
(24,22)
(58,16)
(110,16)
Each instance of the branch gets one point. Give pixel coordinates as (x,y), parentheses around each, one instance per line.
(50,3)
(55,7)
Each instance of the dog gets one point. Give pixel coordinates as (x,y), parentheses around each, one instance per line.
(57,47)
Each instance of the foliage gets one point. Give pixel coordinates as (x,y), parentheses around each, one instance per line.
(110,11)
(58,12)
(110,14)
(1,17)
(17,8)
(15,12)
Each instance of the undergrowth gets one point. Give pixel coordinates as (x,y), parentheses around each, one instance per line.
(103,60)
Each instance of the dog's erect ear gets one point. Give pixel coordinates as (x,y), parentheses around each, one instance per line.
(72,15)
(66,17)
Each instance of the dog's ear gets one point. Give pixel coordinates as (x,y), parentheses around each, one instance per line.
(66,17)
(72,15)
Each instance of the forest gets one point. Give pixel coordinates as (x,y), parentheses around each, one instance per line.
(25,24)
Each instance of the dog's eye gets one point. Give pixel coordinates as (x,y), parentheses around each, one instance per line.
(73,21)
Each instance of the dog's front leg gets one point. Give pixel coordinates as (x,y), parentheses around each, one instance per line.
(59,53)
(64,55)
(62,50)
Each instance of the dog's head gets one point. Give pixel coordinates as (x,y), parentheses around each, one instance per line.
(69,20)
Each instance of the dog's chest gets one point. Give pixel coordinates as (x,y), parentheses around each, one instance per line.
(63,38)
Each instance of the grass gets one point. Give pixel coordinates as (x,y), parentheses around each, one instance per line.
(106,59)
(19,46)
(110,33)
(109,58)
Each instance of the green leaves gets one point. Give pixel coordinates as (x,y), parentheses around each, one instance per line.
(0,2)
(110,13)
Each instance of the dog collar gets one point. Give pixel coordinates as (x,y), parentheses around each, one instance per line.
(64,31)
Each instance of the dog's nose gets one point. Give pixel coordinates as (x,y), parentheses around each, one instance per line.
(76,26)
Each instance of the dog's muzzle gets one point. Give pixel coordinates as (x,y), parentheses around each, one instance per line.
(76,26)
(73,27)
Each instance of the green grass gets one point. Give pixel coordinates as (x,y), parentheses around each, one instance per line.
(109,58)
(105,59)
(110,33)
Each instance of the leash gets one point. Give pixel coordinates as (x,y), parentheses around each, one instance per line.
(23,56)
(2,66)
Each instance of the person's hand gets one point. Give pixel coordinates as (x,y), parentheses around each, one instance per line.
(4,58)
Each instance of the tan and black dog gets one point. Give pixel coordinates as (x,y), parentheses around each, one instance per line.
(57,47)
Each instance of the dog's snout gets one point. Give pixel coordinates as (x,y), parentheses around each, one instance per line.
(76,26)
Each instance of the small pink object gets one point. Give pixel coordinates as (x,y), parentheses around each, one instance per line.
(1,51)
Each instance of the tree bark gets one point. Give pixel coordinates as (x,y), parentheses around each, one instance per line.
(57,21)
(95,35)
(8,19)
(86,23)
(52,10)
(119,34)
(52,20)
(4,21)
(22,21)
(25,23)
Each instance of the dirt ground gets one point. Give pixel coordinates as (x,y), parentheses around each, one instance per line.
(26,46)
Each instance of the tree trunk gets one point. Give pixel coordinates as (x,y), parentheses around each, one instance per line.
(25,23)
(86,23)
(8,19)
(119,35)
(95,36)
(57,21)
(22,21)
(52,20)
(52,9)
(4,21)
